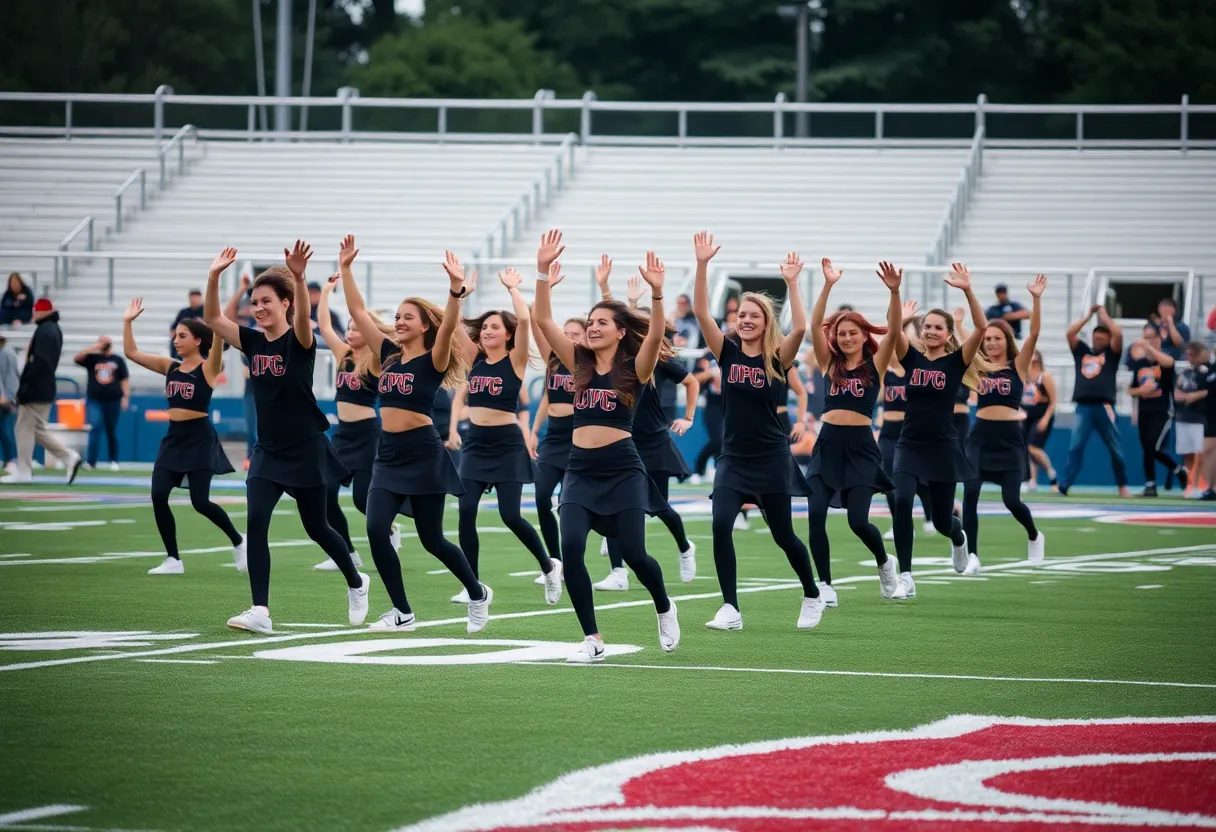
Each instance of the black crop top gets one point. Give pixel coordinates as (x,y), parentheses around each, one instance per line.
(1000,389)
(494,385)
(894,393)
(752,425)
(650,424)
(932,388)
(853,393)
(408,385)
(353,388)
(598,404)
(187,391)
(559,384)
(280,373)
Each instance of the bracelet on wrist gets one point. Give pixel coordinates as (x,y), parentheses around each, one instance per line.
(458,295)
(542,276)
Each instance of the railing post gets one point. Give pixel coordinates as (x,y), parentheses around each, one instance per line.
(980,101)
(90,234)
(878,126)
(118,213)
(585,116)
(1183,127)
(161,159)
(181,155)
(538,114)
(143,189)
(110,281)
(347,95)
(1080,129)
(251,122)
(1068,297)
(779,118)
(67,119)
(682,126)
(158,112)
(442,122)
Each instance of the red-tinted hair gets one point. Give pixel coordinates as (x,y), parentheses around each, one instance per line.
(836,361)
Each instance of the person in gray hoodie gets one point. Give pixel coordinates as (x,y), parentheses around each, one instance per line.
(10,379)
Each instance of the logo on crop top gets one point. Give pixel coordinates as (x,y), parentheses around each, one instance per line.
(485,384)
(402,383)
(928,378)
(596,399)
(350,381)
(179,389)
(850,386)
(561,381)
(1000,386)
(741,374)
(895,394)
(263,364)
(1091,365)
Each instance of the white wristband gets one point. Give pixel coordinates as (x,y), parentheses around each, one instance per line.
(542,276)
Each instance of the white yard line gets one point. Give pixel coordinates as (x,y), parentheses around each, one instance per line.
(178,661)
(54,810)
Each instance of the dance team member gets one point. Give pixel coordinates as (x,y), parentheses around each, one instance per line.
(1039,402)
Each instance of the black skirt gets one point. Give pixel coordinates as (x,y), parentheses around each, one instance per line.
(1031,435)
(663,459)
(310,464)
(192,445)
(495,454)
(414,462)
(846,456)
(888,438)
(754,476)
(355,444)
(962,426)
(554,448)
(940,461)
(608,480)
(995,447)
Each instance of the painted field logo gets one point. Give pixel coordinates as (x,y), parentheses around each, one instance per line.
(964,772)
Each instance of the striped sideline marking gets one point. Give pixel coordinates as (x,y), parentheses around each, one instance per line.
(348,631)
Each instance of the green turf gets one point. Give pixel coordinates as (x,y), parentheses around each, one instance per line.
(246,743)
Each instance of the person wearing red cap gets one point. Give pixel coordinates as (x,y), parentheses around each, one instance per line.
(36,394)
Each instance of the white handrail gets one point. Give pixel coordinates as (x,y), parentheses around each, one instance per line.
(140,175)
(178,141)
(960,200)
(62,261)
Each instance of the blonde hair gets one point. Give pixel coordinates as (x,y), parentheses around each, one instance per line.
(364,359)
(458,363)
(770,341)
(980,365)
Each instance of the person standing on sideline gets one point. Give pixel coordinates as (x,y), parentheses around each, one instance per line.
(1188,429)
(314,303)
(36,394)
(1174,334)
(1006,309)
(10,379)
(193,309)
(1094,394)
(1039,402)
(107,395)
(1152,389)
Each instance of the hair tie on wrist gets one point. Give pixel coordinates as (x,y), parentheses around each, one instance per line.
(652,297)
(463,291)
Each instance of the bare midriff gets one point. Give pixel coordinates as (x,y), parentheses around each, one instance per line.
(1000,413)
(488,417)
(396,420)
(597,436)
(349,412)
(846,418)
(180,414)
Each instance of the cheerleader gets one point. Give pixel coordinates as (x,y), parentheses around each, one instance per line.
(927,450)
(292,455)
(996,447)
(354,440)
(606,488)
(494,455)
(846,470)
(1039,402)
(190,450)
(756,465)
(413,473)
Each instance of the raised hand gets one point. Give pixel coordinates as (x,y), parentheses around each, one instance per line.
(703,246)
(890,276)
(1095,309)
(791,268)
(246,282)
(634,290)
(297,259)
(959,278)
(910,308)
(330,283)
(347,251)
(654,272)
(555,274)
(1038,285)
(451,265)
(959,314)
(225,259)
(510,279)
(680,426)
(136,309)
(601,273)
(831,275)
(550,249)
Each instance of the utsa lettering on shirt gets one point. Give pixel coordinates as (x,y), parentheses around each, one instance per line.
(179,390)
(848,386)
(989,386)
(595,399)
(260,365)
(348,381)
(891,395)
(741,374)
(402,383)
(928,378)
(560,382)
(486,384)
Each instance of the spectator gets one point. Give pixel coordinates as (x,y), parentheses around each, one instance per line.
(17,303)
(1174,334)
(107,395)
(1007,310)
(685,323)
(194,310)
(730,309)
(36,394)
(314,297)
(845,307)
(10,379)
(1152,391)
(1188,430)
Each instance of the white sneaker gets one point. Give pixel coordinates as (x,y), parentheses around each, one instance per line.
(890,535)
(669,629)
(72,468)
(590,651)
(617,581)
(10,467)
(461,597)
(393,620)
(479,611)
(540,579)
(928,527)
(1035,548)
(254,619)
(741,523)
(18,478)
(888,581)
(812,611)
(973,564)
(553,584)
(357,601)
(240,555)
(906,588)
(170,566)
(394,537)
(829,596)
(958,555)
(603,547)
(114,466)
(688,563)
(328,565)
(727,618)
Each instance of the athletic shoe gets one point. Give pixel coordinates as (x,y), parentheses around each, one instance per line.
(1062,490)
(10,467)
(540,579)
(18,478)
(589,652)
(973,564)
(603,547)
(1124,492)
(254,619)
(461,597)
(328,565)
(890,535)
(240,555)
(73,468)
(1207,496)
(357,601)
(1034,549)
(170,566)
(812,611)
(828,595)
(741,523)
(88,466)
(617,581)
(479,611)
(928,528)
(553,584)
(669,629)
(958,555)
(906,588)
(394,537)
(888,581)
(1149,491)
(393,620)
(727,618)
(114,466)
(688,563)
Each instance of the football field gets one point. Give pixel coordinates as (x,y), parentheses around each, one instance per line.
(1077,694)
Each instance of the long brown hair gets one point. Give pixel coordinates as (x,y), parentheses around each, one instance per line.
(553,362)
(623,373)
(364,358)
(770,341)
(458,364)
(979,364)
(836,359)
(1011,345)
(509,322)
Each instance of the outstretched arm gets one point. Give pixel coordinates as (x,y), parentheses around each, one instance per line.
(519,353)
(372,336)
(301,317)
(213,317)
(790,270)
(692,389)
(1026,353)
(602,271)
(960,278)
(214,365)
(548,273)
(704,248)
(819,341)
(155,363)
(232,310)
(1074,329)
(654,273)
(459,286)
(892,279)
(326,325)
(1155,354)
(1116,331)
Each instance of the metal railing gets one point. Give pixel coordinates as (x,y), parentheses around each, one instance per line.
(528,204)
(62,259)
(956,209)
(138,175)
(178,141)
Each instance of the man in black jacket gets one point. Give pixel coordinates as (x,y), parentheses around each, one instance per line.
(36,394)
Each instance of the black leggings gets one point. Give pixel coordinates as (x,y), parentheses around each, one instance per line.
(941,505)
(163,483)
(672,520)
(1011,494)
(631,531)
(509,496)
(1154,429)
(262,496)
(778,513)
(333,510)
(922,491)
(548,478)
(382,510)
(715,424)
(856,502)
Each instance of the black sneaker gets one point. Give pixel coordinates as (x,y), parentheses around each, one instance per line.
(1149,491)
(1182,478)
(1208,496)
